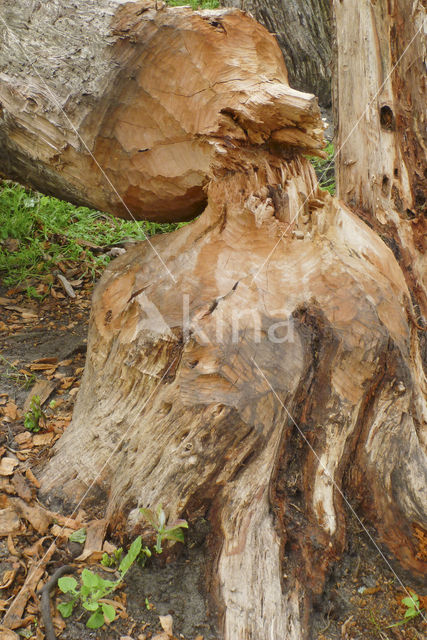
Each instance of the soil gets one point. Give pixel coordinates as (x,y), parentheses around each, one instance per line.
(46,341)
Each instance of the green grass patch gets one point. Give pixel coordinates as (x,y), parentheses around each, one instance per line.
(37,232)
(194,4)
(325,170)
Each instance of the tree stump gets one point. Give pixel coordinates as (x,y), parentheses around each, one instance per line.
(270,376)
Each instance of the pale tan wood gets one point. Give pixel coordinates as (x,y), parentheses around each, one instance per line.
(382,167)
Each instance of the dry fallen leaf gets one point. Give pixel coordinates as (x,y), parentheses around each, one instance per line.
(61,532)
(8,578)
(12,619)
(95,533)
(39,518)
(21,487)
(108,547)
(7,634)
(11,547)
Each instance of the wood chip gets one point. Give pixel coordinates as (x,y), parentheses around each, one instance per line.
(21,487)
(11,411)
(24,439)
(24,311)
(166,623)
(9,522)
(42,366)
(66,286)
(32,478)
(50,360)
(65,363)
(42,439)
(7,465)
(95,534)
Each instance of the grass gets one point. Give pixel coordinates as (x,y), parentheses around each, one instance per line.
(16,375)
(37,232)
(194,4)
(325,170)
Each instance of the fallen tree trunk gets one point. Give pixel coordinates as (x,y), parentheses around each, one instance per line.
(106,116)
(270,377)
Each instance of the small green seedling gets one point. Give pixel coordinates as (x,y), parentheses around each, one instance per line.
(171,531)
(34,415)
(78,536)
(413,609)
(94,589)
(114,559)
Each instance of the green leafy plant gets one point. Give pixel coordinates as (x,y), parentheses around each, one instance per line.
(78,536)
(112,560)
(34,415)
(171,531)
(413,609)
(94,589)
(325,169)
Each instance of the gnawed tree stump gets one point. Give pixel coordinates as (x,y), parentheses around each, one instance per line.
(271,367)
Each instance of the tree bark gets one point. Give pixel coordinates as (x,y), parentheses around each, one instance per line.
(304,32)
(106,116)
(271,376)
(381,170)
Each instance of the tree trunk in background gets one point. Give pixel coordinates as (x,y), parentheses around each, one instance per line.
(381,169)
(304,32)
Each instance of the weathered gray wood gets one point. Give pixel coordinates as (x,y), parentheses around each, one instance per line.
(381,168)
(304,32)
